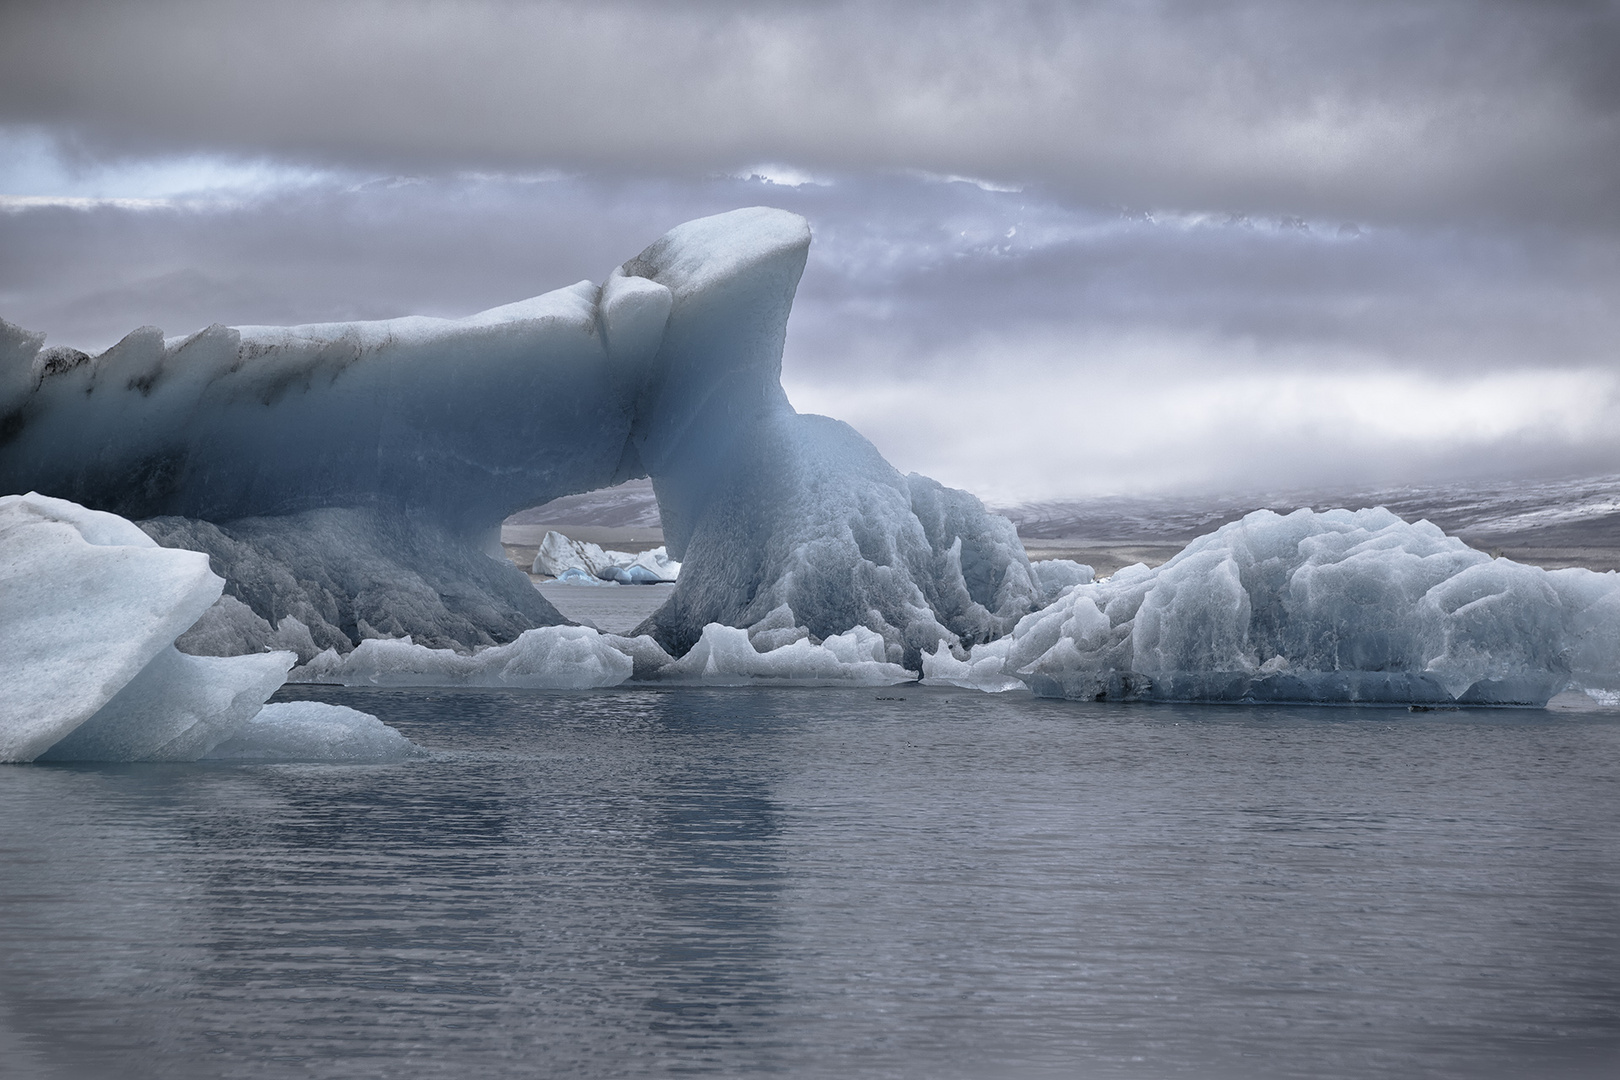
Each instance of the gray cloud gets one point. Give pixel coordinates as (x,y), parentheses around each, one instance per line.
(1215,245)
(1437,109)
(1011,342)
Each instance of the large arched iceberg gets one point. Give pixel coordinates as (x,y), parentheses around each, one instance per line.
(348,481)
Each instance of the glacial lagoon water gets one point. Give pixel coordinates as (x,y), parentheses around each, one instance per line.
(829,883)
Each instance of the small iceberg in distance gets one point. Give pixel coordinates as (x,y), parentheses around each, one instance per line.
(576,561)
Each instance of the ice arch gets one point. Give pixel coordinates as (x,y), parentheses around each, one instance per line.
(346,478)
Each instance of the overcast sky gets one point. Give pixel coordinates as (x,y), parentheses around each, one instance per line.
(1060,249)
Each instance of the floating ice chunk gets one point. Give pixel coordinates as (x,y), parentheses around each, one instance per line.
(652,567)
(725,656)
(88,601)
(1339,606)
(177,709)
(551,657)
(294,731)
(558,553)
(567,559)
(983,671)
(634,574)
(574,575)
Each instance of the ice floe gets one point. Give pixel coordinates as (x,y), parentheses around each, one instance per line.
(313,731)
(550,657)
(559,555)
(1338,606)
(90,607)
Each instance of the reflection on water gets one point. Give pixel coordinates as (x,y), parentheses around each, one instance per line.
(829,883)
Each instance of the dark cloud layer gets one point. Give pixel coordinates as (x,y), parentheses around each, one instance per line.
(1392,112)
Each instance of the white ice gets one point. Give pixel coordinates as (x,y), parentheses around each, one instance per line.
(312,731)
(177,709)
(559,554)
(91,607)
(89,601)
(550,657)
(1339,606)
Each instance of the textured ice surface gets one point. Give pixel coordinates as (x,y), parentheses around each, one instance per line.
(1336,606)
(766,507)
(1053,576)
(177,709)
(296,731)
(89,608)
(551,657)
(559,554)
(327,579)
(87,601)
(726,656)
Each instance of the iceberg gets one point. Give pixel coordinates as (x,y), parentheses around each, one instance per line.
(560,557)
(92,607)
(1338,606)
(348,479)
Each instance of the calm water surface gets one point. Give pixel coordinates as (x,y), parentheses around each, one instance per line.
(904,883)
